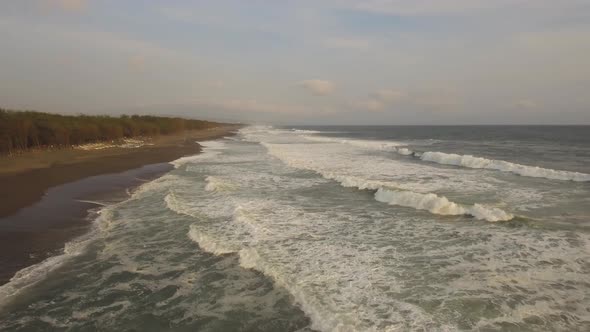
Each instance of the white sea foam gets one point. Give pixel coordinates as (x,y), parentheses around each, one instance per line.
(216,145)
(216,183)
(369,144)
(304,131)
(422,201)
(271,223)
(344,295)
(389,191)
(176,205)
(405,151)
(210,150)
(323,319)
(243,225)
(31,275)
(192,159)
(504,166)
(157,184)
(439,205)
(91,202)
(102,223)
(351,265)
(208,244)
(468,161)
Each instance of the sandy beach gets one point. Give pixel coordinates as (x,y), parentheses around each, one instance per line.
(295,166)
(36,171)
(47,195)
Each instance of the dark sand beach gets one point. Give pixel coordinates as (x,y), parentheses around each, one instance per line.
(47,195)
(36,171)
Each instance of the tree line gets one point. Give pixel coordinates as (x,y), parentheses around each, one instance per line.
(23,130)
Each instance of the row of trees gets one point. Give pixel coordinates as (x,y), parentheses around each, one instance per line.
(20,131)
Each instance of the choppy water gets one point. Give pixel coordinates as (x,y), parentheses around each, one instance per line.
(336,229)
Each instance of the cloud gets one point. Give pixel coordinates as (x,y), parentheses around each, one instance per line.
(526,104)
(440,99)
(235,110)
(69,5)
(371,105)
(389,95)
(318,87)
(448,7)
(347,43)
(214,16)
(381,99)
(249,106)
(217,84)
(137,63)
(422,7)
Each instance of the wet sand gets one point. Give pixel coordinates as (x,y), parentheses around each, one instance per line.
(39,231)
(25,178)
(47,201)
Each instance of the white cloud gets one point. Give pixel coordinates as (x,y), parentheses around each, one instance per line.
(531,55)
(452,7)
(441,99)
(210,15)
(69,5)
(389,95)
(137,63)
(69,56)
(526,104)
(217,84)
(347,43)
(318,87)
(381,99)
(424,7)
(371,105)
(249,105)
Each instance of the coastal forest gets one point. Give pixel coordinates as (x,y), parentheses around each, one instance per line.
(24,130)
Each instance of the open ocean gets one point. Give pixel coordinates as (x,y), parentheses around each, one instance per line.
(416,228)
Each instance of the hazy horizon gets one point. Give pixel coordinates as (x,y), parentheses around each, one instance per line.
(375,62)
(400,165)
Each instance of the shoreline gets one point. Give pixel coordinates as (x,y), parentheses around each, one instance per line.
(65,212)
(24,179)
(38,223)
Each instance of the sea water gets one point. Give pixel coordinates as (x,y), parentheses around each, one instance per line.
(335,229)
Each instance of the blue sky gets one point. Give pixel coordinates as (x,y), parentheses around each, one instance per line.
(302,62)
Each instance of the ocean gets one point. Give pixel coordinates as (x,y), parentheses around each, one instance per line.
(414,228)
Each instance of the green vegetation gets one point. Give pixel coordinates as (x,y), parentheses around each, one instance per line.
(21,131)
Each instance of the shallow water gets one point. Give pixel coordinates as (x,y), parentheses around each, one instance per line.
(336,229)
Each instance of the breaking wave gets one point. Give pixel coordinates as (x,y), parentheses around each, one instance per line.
(504,166)
(208,244)
(439,205)
(324,317)
(429,202)
(351,280)
(102,219)
(389,192)
(211,149)
(304,131)
(215,183)
(375,145)
(467,161)
(33,274)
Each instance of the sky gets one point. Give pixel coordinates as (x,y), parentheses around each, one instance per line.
(404,62)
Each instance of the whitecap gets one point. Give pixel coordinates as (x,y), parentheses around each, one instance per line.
(439,205)
(369,144)
(391,192)
(216,183)
(470,161)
